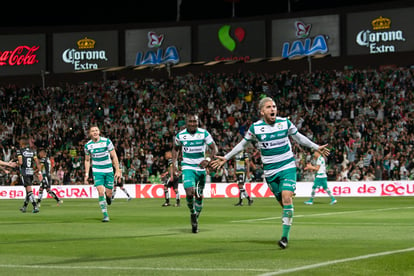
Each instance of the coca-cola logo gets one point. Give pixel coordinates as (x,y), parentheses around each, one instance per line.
(22,55)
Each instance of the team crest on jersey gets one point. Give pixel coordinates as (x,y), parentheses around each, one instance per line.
(279,125)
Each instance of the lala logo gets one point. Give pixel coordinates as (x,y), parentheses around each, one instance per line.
(305,45)
(302,30)
(158,55)
(154,40)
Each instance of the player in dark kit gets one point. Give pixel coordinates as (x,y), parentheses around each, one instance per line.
(170,181)
(120,183)
(26,158)
(242,171)
(45,167)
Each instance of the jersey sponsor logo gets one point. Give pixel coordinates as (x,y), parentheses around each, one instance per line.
(189,149)
(99,154)
(272,144)
(27,154)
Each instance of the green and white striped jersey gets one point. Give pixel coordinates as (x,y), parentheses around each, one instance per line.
(274,144)
(322,167)
(99,152)
(193,147)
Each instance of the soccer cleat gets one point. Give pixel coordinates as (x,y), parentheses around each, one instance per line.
(309,202)
(283,242)
(129,198)
(105,219)
(38,204)
(35,210)
(108,200)
(23,209)
(194,223)
(250,202)
(166,204)
(177,204)
(58,203)
(239,204)
(333,202)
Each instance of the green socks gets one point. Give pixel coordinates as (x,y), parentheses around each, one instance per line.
(287,218)
(102,204)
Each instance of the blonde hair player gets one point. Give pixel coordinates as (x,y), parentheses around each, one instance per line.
(272,135)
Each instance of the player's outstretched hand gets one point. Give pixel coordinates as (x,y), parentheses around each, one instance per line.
(218,162)
(324,150)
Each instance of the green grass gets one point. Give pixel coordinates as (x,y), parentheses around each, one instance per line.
(357,236)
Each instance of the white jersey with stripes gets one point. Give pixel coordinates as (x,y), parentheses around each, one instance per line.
(193,147)
(274,144)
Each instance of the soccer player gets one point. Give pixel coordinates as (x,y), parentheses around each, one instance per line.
(192,141)
(170,181)
(242,171)
(272,134)
(27,157)
(321,179)
(101,152)
(120,183)
(45,168)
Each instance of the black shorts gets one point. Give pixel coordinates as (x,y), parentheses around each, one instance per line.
(46,181)
(26,180)
(173,184)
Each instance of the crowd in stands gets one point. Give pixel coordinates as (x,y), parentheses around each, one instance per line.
(366,117)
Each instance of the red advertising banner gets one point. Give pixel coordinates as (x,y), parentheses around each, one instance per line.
(227,190)
(21,55)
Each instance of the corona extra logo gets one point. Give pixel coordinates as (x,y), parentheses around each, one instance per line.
(381,23)
(86,43)
(85,57)
(381,39)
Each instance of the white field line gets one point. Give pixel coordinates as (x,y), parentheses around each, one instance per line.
(267,273)
(279,272)
(325,214)
(119,268)
(357,258)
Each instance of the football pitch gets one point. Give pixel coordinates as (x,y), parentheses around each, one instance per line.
(357,236)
